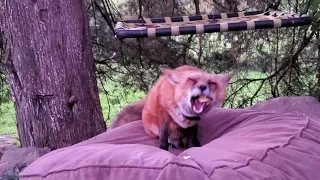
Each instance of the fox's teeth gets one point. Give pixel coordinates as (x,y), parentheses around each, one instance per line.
(203,99)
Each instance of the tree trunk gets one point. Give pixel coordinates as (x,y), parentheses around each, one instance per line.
(49,66)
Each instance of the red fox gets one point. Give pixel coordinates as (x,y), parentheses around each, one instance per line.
(133,111)
(173,106)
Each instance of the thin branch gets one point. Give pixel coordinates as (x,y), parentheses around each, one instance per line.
(106,93)
(255,3)
(185,49)
(257,91)
(140,53)
(108,9)
(105,17)
(95,20)
(140,9)
(282,69)
(219,4)
(184,8)
(197,5)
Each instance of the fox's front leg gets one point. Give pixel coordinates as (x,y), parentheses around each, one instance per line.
(194,137)
(195,140)
(164,136)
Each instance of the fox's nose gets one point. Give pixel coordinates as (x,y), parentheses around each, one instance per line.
(202,87)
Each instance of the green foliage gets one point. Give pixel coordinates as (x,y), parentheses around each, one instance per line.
(4,93)
(263,61)
(7,119)
(248,92)
(114,97)
(315,12)
(112,102)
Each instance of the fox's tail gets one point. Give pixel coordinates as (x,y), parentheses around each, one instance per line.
(131,112)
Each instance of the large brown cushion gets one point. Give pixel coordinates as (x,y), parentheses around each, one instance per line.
(277,139)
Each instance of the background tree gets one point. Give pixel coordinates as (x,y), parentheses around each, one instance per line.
(49,67)
(267,63)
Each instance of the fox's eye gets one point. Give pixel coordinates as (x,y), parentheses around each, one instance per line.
(212,83)
(193,80)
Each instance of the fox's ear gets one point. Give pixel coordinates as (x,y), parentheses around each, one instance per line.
(224,79)
(173,76)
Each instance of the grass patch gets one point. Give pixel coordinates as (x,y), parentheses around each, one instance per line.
(110,104)
(8,119)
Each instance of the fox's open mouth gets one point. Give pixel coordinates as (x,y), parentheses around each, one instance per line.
(199,102)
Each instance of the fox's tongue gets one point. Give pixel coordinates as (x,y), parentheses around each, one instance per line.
(198,106)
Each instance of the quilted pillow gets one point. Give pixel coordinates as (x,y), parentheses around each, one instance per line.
(257,143)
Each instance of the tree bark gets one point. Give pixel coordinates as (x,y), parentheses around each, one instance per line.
(49,66)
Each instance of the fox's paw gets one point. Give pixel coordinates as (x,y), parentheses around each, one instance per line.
(194,143)
(164,146)
(176,143)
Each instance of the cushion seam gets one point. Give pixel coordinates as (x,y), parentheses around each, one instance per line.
(264,154)
(114,167)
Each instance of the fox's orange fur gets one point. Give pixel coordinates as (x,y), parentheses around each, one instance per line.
(166,110)
(173,99)
(131,112)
